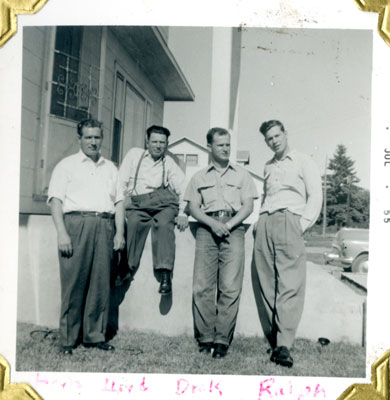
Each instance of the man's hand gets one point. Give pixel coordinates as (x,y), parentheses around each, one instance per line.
(65,245)
(220,228)
(182,222)
(119,241)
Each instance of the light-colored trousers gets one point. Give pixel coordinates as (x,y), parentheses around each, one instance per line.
(279,275)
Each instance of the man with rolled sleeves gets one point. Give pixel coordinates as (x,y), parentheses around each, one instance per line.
(291,204)
(81,195)
(220,197)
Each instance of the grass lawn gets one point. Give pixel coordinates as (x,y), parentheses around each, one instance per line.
(141,352)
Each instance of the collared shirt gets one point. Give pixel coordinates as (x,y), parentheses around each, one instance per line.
(83,185)
(150,175)
(293,183)
(225,190)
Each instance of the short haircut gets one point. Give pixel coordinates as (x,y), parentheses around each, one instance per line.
(89,123)
(216,131)
(266,126)
(157,129)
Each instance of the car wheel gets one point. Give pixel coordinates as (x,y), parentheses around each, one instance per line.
(360,264)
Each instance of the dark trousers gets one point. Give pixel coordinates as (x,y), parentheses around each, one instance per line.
(156,211)
(280,264)
(217,283)
(85,279)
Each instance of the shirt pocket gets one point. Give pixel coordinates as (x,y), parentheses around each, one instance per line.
(208,192)
(232,193)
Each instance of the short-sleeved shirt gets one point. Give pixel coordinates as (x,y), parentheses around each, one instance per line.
(150,175)
(226,190)
(293,183)
(83,185)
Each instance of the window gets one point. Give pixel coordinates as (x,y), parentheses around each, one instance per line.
(75,82)
(180,157)
(192,160)
(131,115)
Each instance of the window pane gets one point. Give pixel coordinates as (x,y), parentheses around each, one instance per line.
(180,157)
(75,84)
(192,160)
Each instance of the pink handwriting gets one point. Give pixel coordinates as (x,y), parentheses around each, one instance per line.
(269,390)
(113,386)
(184,386)
(62,383)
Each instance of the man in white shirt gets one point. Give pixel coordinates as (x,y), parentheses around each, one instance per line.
(81,195)
(150,191)
(291,204)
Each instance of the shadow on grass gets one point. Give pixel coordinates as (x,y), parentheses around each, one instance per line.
(140,352)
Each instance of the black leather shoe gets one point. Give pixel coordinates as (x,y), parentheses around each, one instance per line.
(100,345)
(165,284)
(281,356)
(220,350)
(104,346)
(67,351)
(205,347)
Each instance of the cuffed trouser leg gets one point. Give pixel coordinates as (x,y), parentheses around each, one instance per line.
(163,238)
(204,285)
(138,225)
(217,283)
(280,259)
(231,273)
(85,279)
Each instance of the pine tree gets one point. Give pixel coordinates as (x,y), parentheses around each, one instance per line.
(347,203)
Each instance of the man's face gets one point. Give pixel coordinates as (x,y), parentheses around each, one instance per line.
(220,148)
(156,145)
(91,141)
(276,140)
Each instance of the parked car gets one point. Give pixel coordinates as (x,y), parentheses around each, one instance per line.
(350,250)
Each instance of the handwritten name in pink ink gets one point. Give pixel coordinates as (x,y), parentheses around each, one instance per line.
(64,383)
(268,389)
(183,386)
(111,385)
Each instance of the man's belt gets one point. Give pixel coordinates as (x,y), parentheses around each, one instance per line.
(221,213)
(92,214)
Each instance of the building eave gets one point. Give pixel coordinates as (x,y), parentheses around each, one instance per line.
(147,46)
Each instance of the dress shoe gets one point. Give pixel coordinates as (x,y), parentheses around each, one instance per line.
(67,351)
(205,347)
(281,356)
(220,350)
(101,346)
(165,284)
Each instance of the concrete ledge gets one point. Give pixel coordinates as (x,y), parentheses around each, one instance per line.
(331,310)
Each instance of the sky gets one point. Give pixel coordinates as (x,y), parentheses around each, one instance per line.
(317,82)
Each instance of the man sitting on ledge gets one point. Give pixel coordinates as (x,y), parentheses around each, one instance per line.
(150,191)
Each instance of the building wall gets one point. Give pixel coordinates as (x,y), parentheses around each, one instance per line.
(35,42)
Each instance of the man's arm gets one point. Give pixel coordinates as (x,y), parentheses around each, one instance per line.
(219,228)
(245,210)
(119,238)
(176,180)
(313,183)
(64,241)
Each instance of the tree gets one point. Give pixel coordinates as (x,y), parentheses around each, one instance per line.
(347,203)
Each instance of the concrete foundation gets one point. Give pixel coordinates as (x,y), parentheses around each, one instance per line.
(331,310)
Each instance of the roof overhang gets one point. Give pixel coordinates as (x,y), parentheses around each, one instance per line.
(147,46)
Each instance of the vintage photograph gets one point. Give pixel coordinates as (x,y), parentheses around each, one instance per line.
(194,200)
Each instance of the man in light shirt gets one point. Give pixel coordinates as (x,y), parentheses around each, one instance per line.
(81,195)
(220,197)
(291,204)
(150,193)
